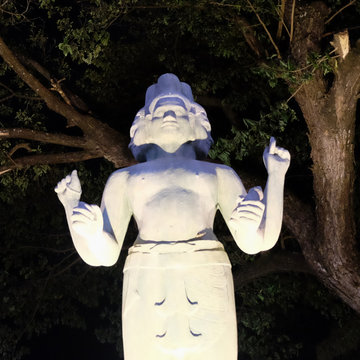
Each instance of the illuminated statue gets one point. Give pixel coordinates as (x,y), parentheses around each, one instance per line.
(178,296)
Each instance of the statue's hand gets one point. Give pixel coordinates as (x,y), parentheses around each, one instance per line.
(276,159)
(87,220)
(249,211)
(69,190)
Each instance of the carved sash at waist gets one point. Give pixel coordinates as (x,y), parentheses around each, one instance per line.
(178,254)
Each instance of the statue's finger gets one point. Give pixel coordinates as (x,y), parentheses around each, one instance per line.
(75,181)
(93,208)
(272,146)
(78,217)
(255,193)
(90,215)
(249,215)
(96,210)
(237,218)
(87,206)
(61,186)
(240,199)
(259,191)
(58,188)
(78,226)
(284,154)
(253,204)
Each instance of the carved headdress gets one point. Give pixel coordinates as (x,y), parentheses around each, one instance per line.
(169,90)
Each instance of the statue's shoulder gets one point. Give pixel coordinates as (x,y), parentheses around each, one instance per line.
(118,177)
(226,173)
(223,169)
(215,168)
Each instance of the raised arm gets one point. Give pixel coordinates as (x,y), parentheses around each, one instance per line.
(97,233)
(277,161)
(255,219)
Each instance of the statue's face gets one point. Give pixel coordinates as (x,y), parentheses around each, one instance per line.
(169,125)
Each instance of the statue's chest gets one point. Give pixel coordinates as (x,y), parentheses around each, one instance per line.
(172,182)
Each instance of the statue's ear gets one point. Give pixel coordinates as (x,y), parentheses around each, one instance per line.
(138,121)
(202,120)
(205,121)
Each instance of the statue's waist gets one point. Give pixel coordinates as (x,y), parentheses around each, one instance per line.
(176,254)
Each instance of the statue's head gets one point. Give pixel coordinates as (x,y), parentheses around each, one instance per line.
(170,119)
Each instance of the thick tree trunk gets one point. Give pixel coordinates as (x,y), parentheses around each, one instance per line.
(331,121)
(330,113)
(333,252)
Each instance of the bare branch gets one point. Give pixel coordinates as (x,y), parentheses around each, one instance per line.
(66,268)
(339,11)
(22,14)
(56,86)
(19,146)
(296,91)
(266,29)
(281,20)
(59,139)
(13,94)
(292,20)
(69,97)
(249,36)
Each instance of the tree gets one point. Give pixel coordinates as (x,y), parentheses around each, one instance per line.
(100,45)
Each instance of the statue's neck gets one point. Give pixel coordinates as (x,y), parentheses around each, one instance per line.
(184,151)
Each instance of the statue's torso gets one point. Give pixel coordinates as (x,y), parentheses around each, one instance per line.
(173,199)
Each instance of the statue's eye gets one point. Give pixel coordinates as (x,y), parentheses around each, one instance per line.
(181,114)
(155,116)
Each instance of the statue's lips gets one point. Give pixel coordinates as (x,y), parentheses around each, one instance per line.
(170,123)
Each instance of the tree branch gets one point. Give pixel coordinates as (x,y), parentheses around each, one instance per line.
(14,94)
(292,20)
(107,141)
(299,219)
(266,29)
(69,97)
(19,146)
(339,11)
(45,159)
(51,100)
(281,20)
(250,36)
(59,139)
(268,264)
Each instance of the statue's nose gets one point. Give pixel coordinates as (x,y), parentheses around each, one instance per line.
(169,116)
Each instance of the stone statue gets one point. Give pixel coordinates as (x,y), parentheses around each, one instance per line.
(178,296)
